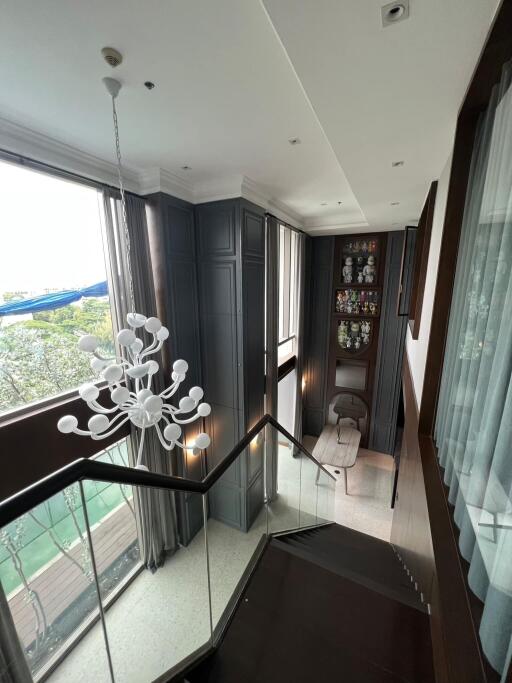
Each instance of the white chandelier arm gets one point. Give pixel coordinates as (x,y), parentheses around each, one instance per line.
(141,445)
(187,420)
(150,351)
(168,446)
(81,432)
(100,357)
(94,405)
(187,448)
(103,435)
(170,391)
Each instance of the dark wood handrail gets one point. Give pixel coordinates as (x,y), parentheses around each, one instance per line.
(85,468)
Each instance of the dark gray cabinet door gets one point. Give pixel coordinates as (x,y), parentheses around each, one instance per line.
(393,329)
(231,268)
(319,264)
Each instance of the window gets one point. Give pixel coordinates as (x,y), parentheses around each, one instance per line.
(51,242)
(46,564)
(474,416)
(288,315)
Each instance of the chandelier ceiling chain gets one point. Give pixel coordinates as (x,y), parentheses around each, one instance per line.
(124,213)
(140,406)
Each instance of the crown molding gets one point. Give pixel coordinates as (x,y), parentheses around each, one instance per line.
(45,149)
(29,143)
(256,193)
(160,180)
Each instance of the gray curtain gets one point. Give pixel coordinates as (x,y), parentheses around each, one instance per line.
(13,665)
(156,512)
(300,303)
(474,418)
(272,332)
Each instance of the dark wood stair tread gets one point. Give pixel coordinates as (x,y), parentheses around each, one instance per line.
(300,622)
(356,556)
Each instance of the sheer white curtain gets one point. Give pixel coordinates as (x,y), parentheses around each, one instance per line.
(474,421)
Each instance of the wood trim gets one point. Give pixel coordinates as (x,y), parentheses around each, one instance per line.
(286,367)
(421,260)
(33,447)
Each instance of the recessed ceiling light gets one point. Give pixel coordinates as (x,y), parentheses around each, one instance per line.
(294,141)
(323,204)
(186,168)
(394,12)
(395,203)
(395,164)
(149,85)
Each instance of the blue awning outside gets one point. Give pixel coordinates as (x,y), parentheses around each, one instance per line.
(49,302)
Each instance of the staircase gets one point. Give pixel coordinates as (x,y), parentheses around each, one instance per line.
(326,604)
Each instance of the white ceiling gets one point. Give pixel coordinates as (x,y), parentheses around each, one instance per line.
(233,84)
(385,94)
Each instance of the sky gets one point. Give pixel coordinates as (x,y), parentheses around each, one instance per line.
(50,232)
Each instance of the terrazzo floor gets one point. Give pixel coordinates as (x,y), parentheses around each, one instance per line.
(161,618)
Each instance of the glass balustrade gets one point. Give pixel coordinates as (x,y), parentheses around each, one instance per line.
(114,582)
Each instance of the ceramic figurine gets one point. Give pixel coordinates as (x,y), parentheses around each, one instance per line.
(373,308)
(369,270)
(349,343)
(347,270)
(357,342)
(360,278)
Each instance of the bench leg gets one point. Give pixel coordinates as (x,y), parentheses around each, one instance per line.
(346,480)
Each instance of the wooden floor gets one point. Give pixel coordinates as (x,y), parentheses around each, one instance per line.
(300,622)
(62,581)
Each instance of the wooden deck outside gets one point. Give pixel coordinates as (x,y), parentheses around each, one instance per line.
(63,581)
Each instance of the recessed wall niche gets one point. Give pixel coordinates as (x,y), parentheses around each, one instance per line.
(358,274)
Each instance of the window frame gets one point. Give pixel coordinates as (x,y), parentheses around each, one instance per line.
(29,428)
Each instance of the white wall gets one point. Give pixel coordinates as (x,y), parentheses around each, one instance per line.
(417,349)
(286,390)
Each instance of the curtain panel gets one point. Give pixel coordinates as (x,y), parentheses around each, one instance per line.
(474,418)
(300,244)
(156,512)
(271,341)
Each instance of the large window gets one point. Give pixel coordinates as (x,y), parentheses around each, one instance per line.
(51,241)
(474,417)
(288,245)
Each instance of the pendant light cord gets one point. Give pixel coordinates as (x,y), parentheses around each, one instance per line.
(124,213)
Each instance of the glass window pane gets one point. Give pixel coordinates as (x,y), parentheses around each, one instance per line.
(53,244)
(47,579)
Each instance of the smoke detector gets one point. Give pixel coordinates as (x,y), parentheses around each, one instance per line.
(112,56)
(394,12)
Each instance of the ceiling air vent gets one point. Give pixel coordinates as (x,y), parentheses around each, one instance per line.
(394,12)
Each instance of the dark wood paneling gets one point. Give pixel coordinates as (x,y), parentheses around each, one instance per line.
(421,260)
(32,447)
(393,328)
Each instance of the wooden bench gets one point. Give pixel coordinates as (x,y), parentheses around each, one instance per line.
(337,446)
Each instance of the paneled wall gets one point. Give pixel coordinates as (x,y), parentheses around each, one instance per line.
(209,263)
(231,266)
(319,273)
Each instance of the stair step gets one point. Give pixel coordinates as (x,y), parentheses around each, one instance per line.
(358,557)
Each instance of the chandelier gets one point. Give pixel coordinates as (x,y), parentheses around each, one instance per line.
(136,402)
